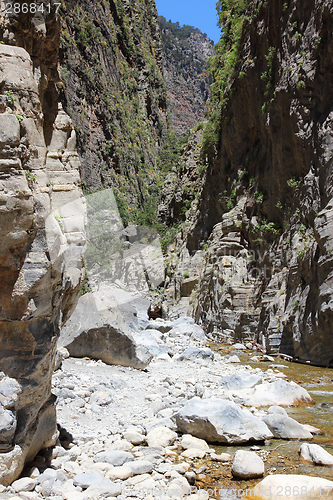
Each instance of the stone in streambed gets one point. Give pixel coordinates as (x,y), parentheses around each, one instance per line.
(104,488)
(224,457)
(121,445)
(247,465)
(123,472)
(315,454)
(160,324)
(189,441)
(313,430)
(219,420)
(235,381)
(194,453)
(85,480)
(189,330)
(140,467)
(24,484)
(113,457)
(284,427)
(290,486)
(238,347)
(134,437)
(179,487)
(279,392)
(161,436)
(193,353)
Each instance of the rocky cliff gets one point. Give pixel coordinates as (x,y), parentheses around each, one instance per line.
(111,66)
(42,221)
(260,227)
(185,53)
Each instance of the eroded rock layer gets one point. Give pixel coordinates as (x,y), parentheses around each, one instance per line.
(261,225)
(42,234)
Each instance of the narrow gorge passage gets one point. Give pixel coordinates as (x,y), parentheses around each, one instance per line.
(166,250)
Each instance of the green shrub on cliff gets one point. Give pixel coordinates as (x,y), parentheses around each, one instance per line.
(115,92)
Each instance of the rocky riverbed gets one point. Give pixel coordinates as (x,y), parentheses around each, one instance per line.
(195,423)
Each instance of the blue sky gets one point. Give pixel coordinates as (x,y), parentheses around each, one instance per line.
(198,13)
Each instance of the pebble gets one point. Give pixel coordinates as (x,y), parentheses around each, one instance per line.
(223,457)
(113,457)
(24,484)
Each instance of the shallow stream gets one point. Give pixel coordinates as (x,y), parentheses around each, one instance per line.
(280,456)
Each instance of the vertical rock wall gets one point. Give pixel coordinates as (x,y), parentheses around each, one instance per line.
(264,217)
(42,240)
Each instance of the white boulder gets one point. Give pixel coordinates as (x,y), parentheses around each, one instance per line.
(315,454)
(284,427)
(219,420)
(247,465)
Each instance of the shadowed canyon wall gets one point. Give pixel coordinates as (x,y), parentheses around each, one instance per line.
(257,243)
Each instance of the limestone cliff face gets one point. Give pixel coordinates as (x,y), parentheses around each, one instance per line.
(263,223)
(42,226)
(186,51)
(111,66)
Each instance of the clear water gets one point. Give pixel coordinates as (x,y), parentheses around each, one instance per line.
(280,456)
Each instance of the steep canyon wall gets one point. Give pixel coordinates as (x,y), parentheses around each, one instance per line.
(260,228)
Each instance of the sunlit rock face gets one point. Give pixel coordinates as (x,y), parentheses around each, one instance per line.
(42,234)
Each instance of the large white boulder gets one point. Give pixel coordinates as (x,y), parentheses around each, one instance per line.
(189,330)
(279,392)
(103,333)
(219,420)
(238,381)
(194,353)
(284,427)
(315,454)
